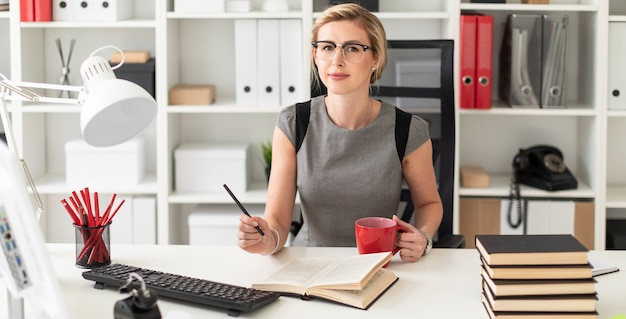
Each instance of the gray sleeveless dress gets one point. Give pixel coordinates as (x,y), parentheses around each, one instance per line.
(344,175)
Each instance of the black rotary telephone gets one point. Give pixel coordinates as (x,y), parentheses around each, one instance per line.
(540,166)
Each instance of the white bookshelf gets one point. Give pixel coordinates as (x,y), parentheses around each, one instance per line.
(491,138)
(199,48)
(615,173)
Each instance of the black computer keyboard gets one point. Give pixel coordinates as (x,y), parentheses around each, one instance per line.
(201,291)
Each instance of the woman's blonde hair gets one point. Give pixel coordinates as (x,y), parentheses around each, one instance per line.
(364,19)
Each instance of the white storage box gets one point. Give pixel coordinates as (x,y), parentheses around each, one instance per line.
(119,165)
(199,5)
(206,167)
(214,225)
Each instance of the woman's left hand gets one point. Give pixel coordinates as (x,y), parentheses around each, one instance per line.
(412,242)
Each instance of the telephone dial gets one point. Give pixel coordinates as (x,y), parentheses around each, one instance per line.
(540,166)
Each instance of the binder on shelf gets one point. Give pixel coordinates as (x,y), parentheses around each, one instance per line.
(617,76)
(144,220)
(484,60)
(84,10)
(115,10)
(27,10)
(135,223)
(520,61)
(62,10)
(122,226)
(246,62)
(268,62)
(532,61)
(290,61)
(467,43)
(553,61)
(43,10)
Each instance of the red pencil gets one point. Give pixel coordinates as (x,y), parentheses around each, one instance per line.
(70,212)
(115,212)
(87,204)
(108,210)
(96,208)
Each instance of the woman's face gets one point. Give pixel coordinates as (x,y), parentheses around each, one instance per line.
(338,74)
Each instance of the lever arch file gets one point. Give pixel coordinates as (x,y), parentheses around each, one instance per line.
(468,62)
(84,10)
(617,76)
(532,61)
(62,11)
(246,53)
(268,62)
(484,49)
(553,61)
(520,61)
(290,62)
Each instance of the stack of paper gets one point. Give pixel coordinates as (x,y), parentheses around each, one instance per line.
(536,276)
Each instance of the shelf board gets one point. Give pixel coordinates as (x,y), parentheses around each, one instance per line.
(422,15)
(256,194)
(235,15)
(529,7)
(55,184)
(499,187)
(616,113)
(617,18)
(413,15)
(51,108)
(500,110)
(616,197)
(122,24)
(220,109)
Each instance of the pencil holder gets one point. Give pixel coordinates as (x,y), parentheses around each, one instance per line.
(93,246)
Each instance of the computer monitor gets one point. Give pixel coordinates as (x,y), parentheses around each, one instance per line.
(25,266)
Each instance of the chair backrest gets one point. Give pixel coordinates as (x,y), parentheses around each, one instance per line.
(420,79)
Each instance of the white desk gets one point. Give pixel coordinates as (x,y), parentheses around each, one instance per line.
(445,284)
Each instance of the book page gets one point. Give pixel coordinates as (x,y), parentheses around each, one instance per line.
(353,272)
(362,298)
(300,272)
(600,267)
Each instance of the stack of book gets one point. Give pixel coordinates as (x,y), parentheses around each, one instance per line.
(536,276)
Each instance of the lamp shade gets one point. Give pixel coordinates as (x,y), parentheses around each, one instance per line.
(114,110)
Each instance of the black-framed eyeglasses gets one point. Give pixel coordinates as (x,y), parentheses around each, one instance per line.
(351,51)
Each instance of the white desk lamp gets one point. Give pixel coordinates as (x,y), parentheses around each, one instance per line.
(113,111)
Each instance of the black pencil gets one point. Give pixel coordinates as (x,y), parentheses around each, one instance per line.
(243,209)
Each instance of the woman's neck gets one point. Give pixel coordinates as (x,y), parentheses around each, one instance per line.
(351,112)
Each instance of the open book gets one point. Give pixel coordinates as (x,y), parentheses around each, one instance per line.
(355,281)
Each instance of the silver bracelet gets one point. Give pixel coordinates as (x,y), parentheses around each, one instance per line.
(277,236)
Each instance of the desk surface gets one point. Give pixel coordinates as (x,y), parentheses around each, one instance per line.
(445,284)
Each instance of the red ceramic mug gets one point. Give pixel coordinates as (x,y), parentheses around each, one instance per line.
(377,234)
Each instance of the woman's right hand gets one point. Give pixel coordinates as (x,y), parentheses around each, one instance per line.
(249,239)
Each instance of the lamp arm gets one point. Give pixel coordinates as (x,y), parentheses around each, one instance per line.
(31,183)
(8,132)
(21,91)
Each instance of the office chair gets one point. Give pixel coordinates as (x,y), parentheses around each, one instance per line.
(422,83)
